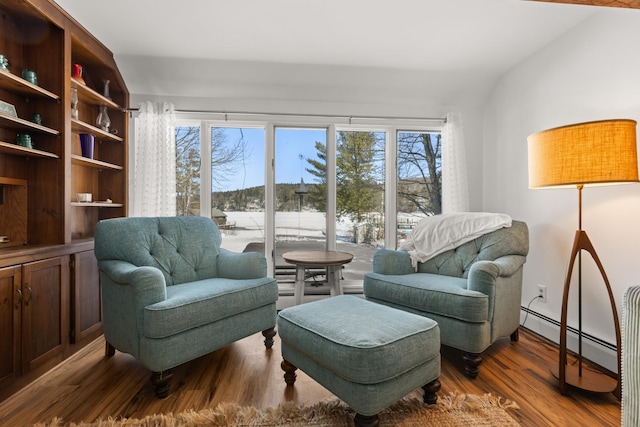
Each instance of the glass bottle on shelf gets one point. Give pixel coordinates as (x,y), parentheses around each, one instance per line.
(105,92)
(103,121)
(74,103)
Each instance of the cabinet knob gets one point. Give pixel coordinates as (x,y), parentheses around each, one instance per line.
(18,298)
(27,293)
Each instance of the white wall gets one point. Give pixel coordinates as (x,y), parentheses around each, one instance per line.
(591,73)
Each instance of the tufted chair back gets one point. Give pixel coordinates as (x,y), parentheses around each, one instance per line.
(488,247)
(184,249)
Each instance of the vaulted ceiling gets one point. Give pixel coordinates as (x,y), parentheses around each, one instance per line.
(633,4)
(165,46)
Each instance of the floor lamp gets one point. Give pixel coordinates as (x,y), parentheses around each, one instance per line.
(584,154)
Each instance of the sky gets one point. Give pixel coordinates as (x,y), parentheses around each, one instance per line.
(291,145)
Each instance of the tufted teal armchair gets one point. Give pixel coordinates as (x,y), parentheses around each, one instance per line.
(170,294)
(473,291)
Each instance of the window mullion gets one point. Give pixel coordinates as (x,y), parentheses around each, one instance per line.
(205,169)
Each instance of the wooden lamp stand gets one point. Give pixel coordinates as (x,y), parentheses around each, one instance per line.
(574,375)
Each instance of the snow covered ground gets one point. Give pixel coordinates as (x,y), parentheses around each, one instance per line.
(249,227)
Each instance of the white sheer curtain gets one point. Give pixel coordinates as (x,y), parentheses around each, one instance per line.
(455,186)
(154,180)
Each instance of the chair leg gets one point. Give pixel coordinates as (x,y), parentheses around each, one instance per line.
(366,420)
(268,336)
(430,389)
(109,350)
(515,336)
(161,381)
(472,363)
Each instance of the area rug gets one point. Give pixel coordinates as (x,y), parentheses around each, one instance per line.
(454,410)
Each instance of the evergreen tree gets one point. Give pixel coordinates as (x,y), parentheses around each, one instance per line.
(317,195)
(357,175)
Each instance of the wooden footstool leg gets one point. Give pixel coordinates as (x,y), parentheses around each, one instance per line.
(430,397)
(289,372)
(366,420)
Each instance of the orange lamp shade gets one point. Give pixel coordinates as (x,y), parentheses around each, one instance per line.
(599,152)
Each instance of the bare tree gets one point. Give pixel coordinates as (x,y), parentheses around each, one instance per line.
(227,158)
(188,170)
(420,172)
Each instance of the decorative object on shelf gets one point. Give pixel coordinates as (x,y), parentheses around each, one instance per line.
(74,103)
(24,140)
(36,118)
(77,73)
(30,76)
(4,63)
(103,121)
(583,154)
(87,143)
(8,109)
(83,197)
(105,91)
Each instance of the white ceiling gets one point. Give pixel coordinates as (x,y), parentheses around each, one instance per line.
(416,34)
(486,36)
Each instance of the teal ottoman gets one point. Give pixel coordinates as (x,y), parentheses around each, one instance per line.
(367,354)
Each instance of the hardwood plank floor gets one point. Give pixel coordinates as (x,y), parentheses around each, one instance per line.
(89,385)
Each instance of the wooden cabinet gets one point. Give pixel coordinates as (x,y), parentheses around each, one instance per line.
(45,312)
(86,313)
(34,334)
(49,289)
(10,313)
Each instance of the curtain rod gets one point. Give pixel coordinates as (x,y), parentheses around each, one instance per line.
(250,113)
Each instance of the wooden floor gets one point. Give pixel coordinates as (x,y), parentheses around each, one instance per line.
(89,385)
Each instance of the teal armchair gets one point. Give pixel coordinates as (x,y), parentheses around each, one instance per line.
(170,294)
(473,291)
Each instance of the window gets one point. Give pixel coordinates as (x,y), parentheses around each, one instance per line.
(272,187)
(419,179)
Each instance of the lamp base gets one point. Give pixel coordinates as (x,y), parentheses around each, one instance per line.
(591,381)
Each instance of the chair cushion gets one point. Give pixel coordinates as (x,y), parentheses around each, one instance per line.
(363,342)
(429,293)
(198,303)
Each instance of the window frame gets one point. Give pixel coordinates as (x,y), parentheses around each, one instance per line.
(390,127)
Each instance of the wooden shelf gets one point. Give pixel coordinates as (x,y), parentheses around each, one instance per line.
(18,84)
(97,164)
(12,181)
(97,204)
(19,124)
(90,96)
(7,147)
(82,127)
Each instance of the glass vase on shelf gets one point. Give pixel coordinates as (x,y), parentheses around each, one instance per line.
(103,121)
(77,73)
(74,103)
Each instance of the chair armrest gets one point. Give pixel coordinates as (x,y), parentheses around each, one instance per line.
(245,265)
(147,284)
(387,261)
(484,274)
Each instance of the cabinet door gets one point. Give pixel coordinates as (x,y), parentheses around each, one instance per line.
(86,307)
(45,312)
(10,302)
